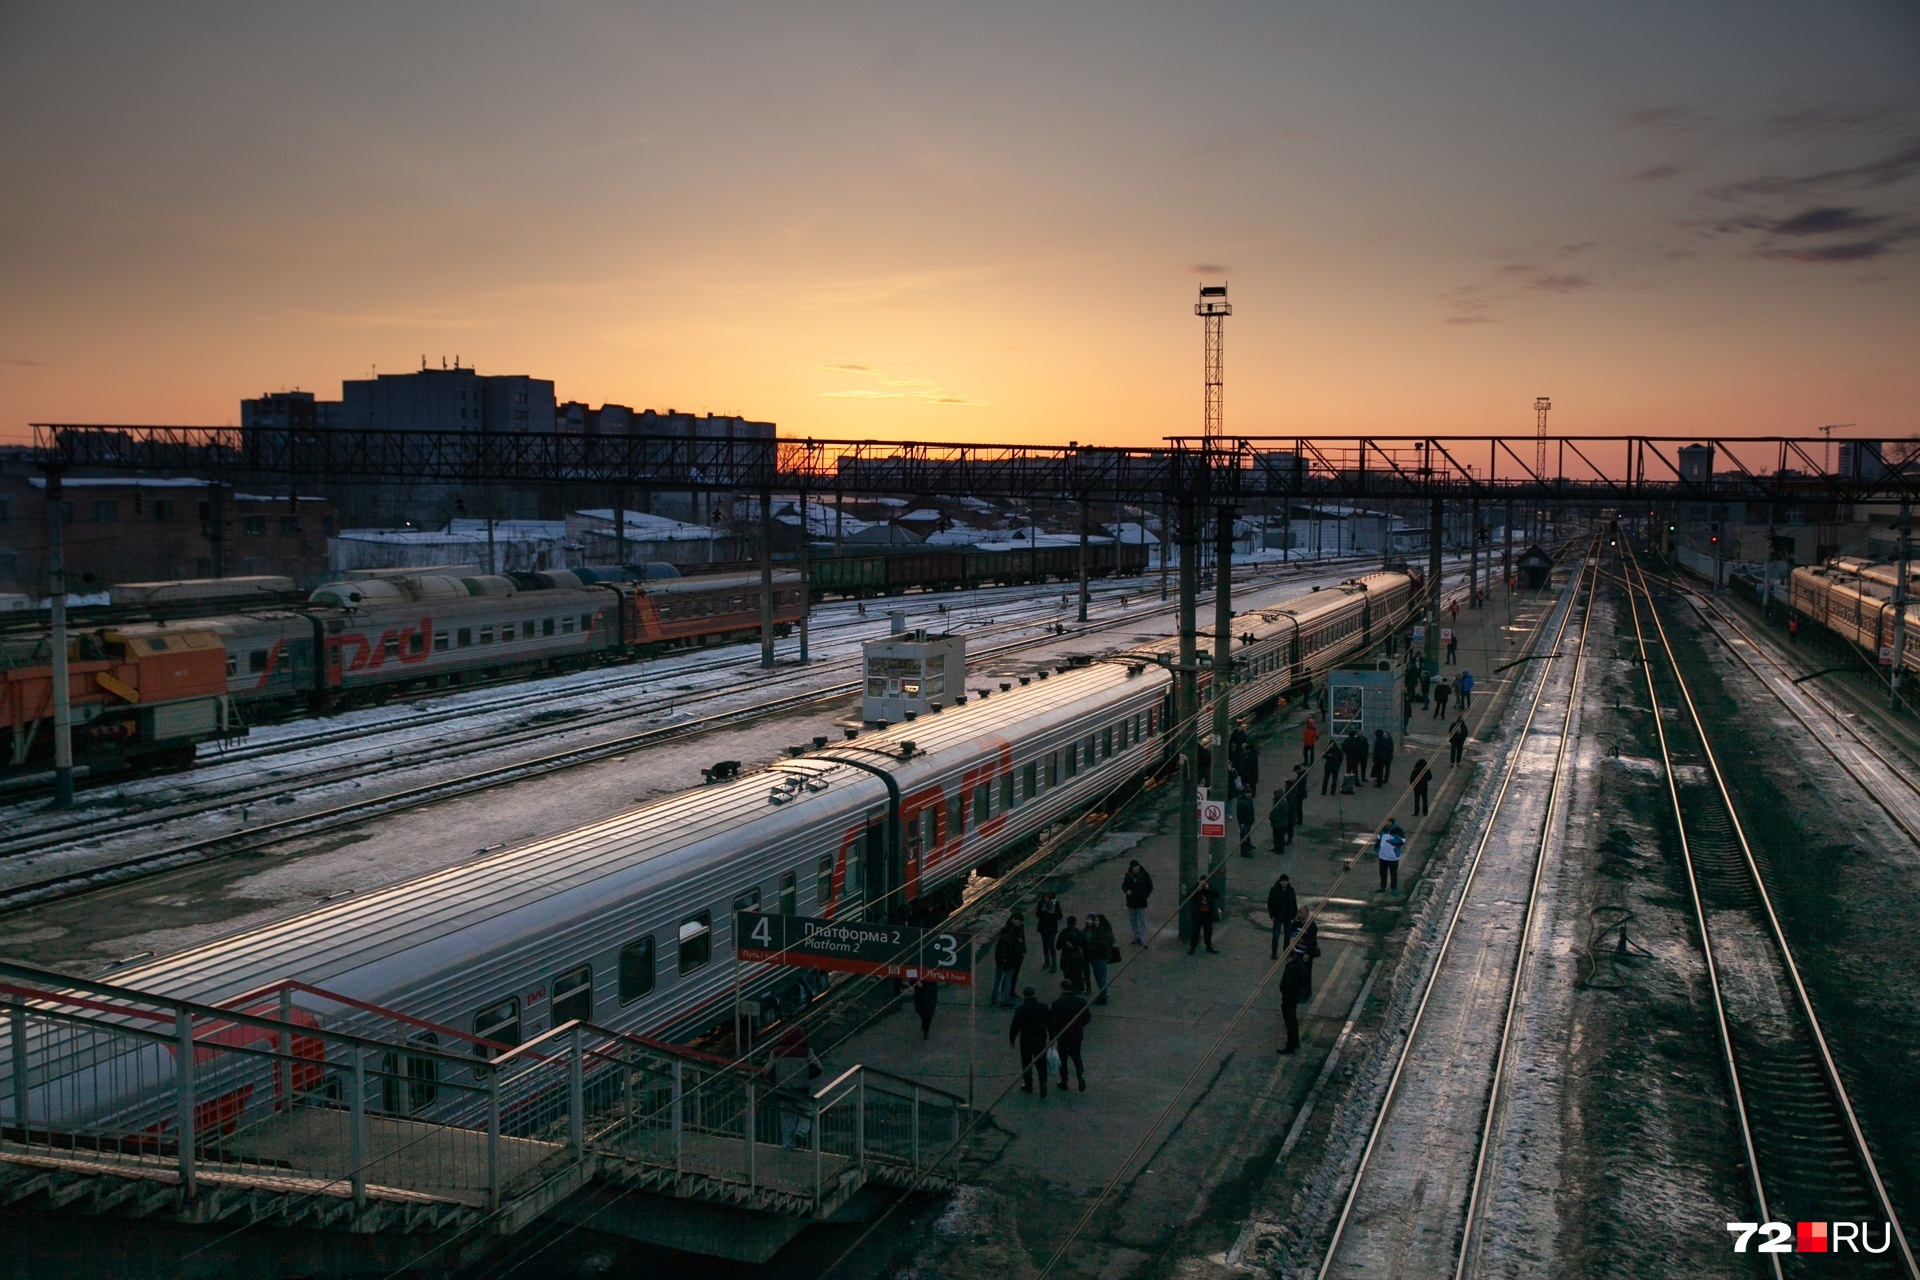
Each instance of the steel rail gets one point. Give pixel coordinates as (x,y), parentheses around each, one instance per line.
(1446,943)
(1835,1087)
(1901,772)
(1469,1236)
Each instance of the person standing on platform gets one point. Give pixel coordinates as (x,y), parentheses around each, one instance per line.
(1280,813)
(1046,923)
(926,1000)
(1301,782)
(1406,712)
(1203,912)
(1068,1019)
(1102,950)
(1356,751)
(1330,773)
(1073,959)
(1137,886)
(1292,984)
(1453,610)
(1307,951)
(1283,905)
(1245,815)
(1793,631)
(1391,844)
(1382,757)
(1457,739)
(1250,766)
(1440,691)
(1421,778)
(1453,641)
(1029,1031)
(1466,690)
(1308,737)
(1009,949)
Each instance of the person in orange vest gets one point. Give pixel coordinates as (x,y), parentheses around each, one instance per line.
(1308,737)
(1793,630)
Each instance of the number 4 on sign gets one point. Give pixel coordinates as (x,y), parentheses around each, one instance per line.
(762,932)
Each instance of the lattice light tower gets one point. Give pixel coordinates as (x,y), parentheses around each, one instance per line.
(1213,308)
(1540,406)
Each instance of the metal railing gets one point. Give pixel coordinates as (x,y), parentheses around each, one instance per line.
(309,1093)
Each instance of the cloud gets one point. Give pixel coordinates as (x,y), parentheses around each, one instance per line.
(1838,120)
(1207,269)
(948,398)
(1469,319)
(1844,251)
(1825,221)
(901,384)
(844,368)
(1892,166)
(1467,304)
(1670,119)
(1658,173)
(15,363)
(1559,284)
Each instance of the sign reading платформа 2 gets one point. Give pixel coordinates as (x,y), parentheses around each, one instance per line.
(855,946)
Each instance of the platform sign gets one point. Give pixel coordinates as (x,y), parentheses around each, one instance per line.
(1419,637)
(855,946)
(1446,635)
(1213,819)
(1886,655)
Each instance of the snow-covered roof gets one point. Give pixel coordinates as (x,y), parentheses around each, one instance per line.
(921,513)
(642,526)
(122,482)
(509,528)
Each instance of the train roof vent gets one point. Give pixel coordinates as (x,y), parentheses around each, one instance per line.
(907,749)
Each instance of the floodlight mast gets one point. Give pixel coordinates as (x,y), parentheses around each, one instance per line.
(1213,309)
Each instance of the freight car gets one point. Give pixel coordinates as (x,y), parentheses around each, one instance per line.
(358,642)
(1853,598)
(627,923)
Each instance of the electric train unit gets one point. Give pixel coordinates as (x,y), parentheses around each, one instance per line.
(1854,599)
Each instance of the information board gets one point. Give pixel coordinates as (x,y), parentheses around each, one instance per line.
(855,946)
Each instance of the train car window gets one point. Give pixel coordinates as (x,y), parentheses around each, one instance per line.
(546,626)
(823,884)
(1006,788)
(956,815)
(417,642)
(408,1082)
(789,894)
(1073,761)
(506,632)
(486,635)
(748,901)
(257,661)
(1106,744)
(233,664)
(439,642)
(912,827)
(391,646)
(982,800)
(566,625)
(499,1022)
(1053,770)
(1138,726)
(573,996)
(636,969)
(696,941)
(586,622)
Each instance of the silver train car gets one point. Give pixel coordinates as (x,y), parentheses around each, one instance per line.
(1854,599)
(627,922)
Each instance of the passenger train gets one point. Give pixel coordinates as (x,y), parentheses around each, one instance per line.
(626,923)
(1853,598)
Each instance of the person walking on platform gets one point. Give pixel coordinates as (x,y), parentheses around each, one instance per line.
(1388,848)
(1203,913)
(1137,886)
(1382,757)
(1440,691)
(1356,752)
(1421,778)
(1293,980)
(926,1000)
(1308,737)
(1307,950)
(1457,739)
(1068,1019)
(1406,712)
(1280,813)
(1330,773)
(1030,1029)
(1101,951)
(1466,690)
(1283,905)
(1245,815)
(1046,923)
(1453,641)
(1009,949)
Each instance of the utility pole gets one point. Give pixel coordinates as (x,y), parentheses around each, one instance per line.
(1473,554)
(1222,686)
(1903,569)
(1506,559)
(1186,714)
(1086,518)
(1434,520)
(1166,545)
(62,694)
(1541,406)
(619,526)
(766,579)
(806,576)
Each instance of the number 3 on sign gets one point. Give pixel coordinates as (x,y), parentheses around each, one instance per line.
(946,951)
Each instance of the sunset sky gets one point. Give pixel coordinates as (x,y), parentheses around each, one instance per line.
(975,221)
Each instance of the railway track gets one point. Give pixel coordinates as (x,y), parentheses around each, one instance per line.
(257,838)
(1891,781)
(1415,1200)
(1805,1153)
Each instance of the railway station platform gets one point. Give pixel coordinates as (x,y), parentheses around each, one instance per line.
(1188,1105)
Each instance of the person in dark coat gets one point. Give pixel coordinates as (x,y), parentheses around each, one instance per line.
(1457,738)
(1441,689)
(1301,782)
(1204,912)
(1356,752)
(1308,950)
(1073,959)
(1283,904)
(926,1000)
(1245,815)
(1009,950)
(1293,985)
(1406,712)
(1046,923)
(1068,1019)
(1030,1029)
(1421,778)
(1280,814)
(1330,772)
(1101,950)
(1250,765)
(1382,757)
(1071,934)
(1137,885)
